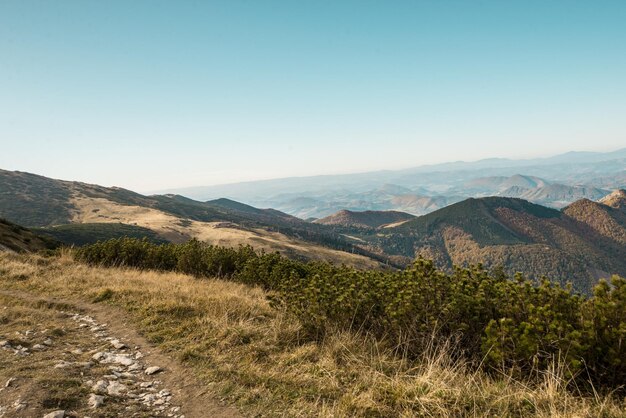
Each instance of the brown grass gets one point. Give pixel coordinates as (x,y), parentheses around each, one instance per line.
(34,380)
(175,229)
(256,357)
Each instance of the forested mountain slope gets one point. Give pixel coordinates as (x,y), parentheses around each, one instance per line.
(581,243)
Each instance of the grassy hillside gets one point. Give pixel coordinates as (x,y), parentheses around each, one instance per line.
(37,201)
(16,238)
(32,200)
(262,359)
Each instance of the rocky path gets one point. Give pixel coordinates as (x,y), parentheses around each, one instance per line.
(86,361)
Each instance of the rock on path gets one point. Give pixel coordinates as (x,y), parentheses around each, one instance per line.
(127,381)
(120,375)
(55,414)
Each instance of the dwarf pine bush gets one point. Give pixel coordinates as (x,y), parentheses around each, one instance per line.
(499,322)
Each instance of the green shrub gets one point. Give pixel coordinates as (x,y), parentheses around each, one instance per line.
(499,322)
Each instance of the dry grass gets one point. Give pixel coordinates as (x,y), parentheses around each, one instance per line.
(175,229)
(33,373)
(35,382)
(256,357)
(53,374)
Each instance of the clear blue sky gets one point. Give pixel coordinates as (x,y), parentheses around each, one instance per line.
(151,95)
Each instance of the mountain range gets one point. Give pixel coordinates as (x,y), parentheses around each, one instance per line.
(580,243)
(556,182)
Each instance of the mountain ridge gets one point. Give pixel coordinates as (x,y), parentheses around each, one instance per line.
(365,219)
(582,242)
(37,201)
(243,190)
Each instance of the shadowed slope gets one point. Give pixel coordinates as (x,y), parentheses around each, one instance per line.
(16,238)
(365,219)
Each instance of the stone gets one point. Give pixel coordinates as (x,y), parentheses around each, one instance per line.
(21,350)
(100,386)
(9,382)
(62,364)
(85,364)
(148,398)
(4,343)
(95,401)
(117,344)
(108,358)
(153,370)
(39,347)
(48,342)
(116,389)
(134,367)
(124,360)
(56,414)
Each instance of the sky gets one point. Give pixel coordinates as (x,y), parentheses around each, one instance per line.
(153,95)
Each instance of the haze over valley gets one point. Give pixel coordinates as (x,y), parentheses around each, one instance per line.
(555,182)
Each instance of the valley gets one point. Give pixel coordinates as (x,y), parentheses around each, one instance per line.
(554,181)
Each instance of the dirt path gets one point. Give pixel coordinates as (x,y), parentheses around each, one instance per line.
(95,347)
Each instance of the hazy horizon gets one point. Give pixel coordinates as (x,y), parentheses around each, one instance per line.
(347,173)
(161,95)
